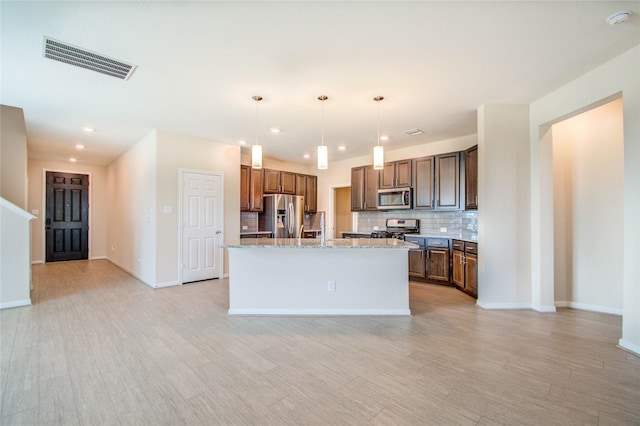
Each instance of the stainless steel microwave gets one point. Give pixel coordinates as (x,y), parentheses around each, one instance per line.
(397,198)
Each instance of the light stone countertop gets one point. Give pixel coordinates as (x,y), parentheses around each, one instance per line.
(317,243)
(470,240)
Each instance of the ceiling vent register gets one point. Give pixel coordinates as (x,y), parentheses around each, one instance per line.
(72,55)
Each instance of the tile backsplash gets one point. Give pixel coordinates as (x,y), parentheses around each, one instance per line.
(451,224)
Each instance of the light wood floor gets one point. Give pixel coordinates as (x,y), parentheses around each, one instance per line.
(99,347)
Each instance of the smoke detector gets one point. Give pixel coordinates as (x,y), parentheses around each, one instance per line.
(619,17)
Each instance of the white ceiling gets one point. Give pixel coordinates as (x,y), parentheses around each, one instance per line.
(199,64)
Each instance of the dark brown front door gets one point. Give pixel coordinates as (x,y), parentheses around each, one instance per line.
(67,219)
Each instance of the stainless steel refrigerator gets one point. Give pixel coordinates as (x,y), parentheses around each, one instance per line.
(283,215)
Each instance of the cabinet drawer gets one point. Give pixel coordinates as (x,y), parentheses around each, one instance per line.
(471,248)
(438,242)
(415,240)
(458,245)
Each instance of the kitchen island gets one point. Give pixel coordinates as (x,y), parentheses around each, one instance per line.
(289,276)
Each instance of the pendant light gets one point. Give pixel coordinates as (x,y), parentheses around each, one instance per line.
(256,149)
(378,150)
(323,157)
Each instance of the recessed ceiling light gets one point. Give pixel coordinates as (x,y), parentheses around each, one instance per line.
(88,129)
(306,156)
(384,137)
(275,130)
(342,147)
(79,146)
(242,142)
(619,17)
(72,159)
(414,132)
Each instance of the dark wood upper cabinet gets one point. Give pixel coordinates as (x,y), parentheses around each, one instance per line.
(370,188)
(279,182)
(245,183)
(364,188)
(396,175)
(307,186)
(357,189)
(423,183)
(250,189)
(448,181)
(471,178)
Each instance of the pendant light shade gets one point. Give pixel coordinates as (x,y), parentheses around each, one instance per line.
(323,154)
(323,157)
(378,150)
(256,149)
(256,156)
(378,157)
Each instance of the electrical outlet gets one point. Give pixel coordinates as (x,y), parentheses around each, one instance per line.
(331,286)
(443,229)
(375,228)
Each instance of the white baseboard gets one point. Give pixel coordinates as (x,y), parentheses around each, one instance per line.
(628,346)
(587,307)
(167,284)
(37,262)
(15,304)
(503,305)
(319,312)
(99,258)
(225,276)
(541,308)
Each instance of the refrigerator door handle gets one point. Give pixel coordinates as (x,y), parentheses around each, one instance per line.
(291,218)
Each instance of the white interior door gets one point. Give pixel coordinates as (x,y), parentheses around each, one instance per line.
(201,226)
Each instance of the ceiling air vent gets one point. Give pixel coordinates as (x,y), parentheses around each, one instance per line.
(72,55)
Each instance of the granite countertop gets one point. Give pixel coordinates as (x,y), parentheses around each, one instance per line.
(317,243)
(435,235)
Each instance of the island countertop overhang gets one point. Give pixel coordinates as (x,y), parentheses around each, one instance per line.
(316,243)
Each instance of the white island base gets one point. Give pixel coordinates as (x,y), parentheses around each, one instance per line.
(339,277)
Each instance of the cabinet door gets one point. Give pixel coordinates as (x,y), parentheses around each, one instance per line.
(301,184)
(423,183)
(370,188)
(245,188)
(357,189)
(471,178)
(458,269)
(255,191)
(388,176)
(438,264)
(471,275)
(287,183)
(448,181)
(416,263)
(271,181)
(403,174)
(311,195)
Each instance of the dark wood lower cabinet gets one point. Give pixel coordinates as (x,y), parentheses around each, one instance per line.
(457,273)
(417,264)
(438,264)
(465,266)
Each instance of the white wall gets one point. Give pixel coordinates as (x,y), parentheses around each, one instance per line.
(13,156)
(503,221)
(588,160)
(609,80)
(174,152)
(98,202)
(131,190)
